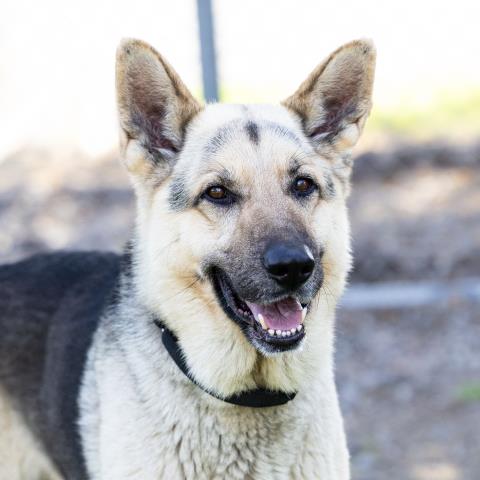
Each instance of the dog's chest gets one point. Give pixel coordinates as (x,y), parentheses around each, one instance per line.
(183,438)
(142,420)
(194,443)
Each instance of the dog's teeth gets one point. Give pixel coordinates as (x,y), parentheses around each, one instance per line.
(304,313)
(284,333)
(299,327)
(288,333)
(278,332)
(261,320)
(271,332)
(293,330)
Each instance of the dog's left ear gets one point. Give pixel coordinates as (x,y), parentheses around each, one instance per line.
(335,100)
(154,107)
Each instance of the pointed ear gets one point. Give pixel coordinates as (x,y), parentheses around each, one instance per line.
(335,100)
(154,107)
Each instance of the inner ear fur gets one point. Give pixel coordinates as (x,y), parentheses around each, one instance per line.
(335,100)
(154,106)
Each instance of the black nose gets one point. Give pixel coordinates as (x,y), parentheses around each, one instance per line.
(290,265)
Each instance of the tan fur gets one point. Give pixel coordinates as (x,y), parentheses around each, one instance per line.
(192,235)
(198,233)
(184,150)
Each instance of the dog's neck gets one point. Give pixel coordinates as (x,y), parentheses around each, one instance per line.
(256,398)
(227,368)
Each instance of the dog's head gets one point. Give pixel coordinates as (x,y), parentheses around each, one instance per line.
(242,233)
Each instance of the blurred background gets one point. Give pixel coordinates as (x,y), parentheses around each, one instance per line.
(408,349)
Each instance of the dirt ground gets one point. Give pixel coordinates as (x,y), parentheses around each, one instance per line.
(404,379)
(416,213)
(409,379)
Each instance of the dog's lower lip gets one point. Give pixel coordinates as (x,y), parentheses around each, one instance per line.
(238,310)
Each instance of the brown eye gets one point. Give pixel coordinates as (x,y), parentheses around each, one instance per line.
(216,193)
(219,195)
(303,186)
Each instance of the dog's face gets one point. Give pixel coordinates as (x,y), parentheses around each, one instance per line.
(242,227)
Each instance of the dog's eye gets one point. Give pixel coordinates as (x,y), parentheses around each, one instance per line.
(303,186)
(218,194)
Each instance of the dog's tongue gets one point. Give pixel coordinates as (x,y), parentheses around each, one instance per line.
(283,315)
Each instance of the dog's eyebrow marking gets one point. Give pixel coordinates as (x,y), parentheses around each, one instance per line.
(178,198)
(294,166)
(296,163)
(221,137)
(219,174)
(252,132)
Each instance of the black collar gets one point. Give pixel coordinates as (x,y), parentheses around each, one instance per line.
(258,398)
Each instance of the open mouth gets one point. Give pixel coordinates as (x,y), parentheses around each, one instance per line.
(273,327)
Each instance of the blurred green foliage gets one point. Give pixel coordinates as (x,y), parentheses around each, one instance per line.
(451,114)
(469,392)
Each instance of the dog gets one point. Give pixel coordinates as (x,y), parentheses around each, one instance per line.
(205,350)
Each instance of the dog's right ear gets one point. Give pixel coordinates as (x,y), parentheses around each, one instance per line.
(154,107)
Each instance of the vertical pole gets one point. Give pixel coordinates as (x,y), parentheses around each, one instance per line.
(207,47)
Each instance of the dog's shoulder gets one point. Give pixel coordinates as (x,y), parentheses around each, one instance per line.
(33,291)
(50,306)
(45,278)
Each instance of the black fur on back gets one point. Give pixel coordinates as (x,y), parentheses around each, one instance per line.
(49,309)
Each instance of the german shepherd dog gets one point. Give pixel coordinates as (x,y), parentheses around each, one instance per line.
(205,351)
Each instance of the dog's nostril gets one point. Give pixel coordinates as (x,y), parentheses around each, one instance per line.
(278,270)
(307,269)
(288,264)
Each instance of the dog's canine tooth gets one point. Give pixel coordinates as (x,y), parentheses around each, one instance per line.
(299,327)
(261,320)
(304,313)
